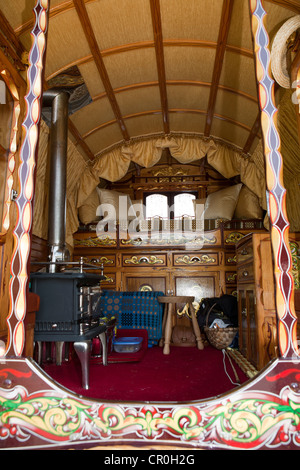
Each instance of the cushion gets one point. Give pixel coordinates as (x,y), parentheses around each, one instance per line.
(113,199)
(221,204)
(139,208)
(87,212)
(248,205)
(201,203)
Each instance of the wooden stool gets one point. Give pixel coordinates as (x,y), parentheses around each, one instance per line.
(167,321)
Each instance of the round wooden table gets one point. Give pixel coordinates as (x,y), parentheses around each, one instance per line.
(170,300)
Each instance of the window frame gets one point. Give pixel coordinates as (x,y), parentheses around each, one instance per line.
(171,199)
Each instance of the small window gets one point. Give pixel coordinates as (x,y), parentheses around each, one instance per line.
(170,206)
(157,206)
(183,205)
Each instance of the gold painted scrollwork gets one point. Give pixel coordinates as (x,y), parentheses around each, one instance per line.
(234,237)
(231,277)
(146,288)
(107,279)
(96,241)
(98,261)
(203,259)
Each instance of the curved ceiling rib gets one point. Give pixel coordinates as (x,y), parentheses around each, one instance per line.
(89,34)
(159,49)
(157,95)
(222,39)
(292,5)
(150,44)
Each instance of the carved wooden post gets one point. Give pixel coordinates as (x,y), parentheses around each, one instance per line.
(277,193)
(22,230)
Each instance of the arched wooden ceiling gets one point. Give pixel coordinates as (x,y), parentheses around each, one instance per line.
(150,67)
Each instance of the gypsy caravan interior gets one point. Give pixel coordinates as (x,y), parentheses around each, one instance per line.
(150,201)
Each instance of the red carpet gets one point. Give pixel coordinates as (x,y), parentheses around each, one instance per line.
(186,374)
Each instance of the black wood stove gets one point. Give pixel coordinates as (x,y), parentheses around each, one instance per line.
(68,313)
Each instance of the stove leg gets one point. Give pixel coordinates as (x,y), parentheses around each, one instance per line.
(58,351)
(39,352)
(48,351)
(103,339)
(83,351)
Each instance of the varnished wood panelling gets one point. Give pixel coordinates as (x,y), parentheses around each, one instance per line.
(132,282)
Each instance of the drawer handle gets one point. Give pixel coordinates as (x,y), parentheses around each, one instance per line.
(244,252)
(245,273)
(144,259)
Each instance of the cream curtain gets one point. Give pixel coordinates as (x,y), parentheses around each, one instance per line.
(76,166)
(114,165)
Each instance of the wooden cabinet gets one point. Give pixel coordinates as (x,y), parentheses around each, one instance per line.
(206,270)
(256,299)
(157,265)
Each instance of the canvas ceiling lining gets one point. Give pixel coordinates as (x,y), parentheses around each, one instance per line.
(189,63)
(131,67)
(200,20)
(187,122)
(240,32)
(109,136)
(137,67)
(122,23)
(138,126)
(236,107)
(61,33)
(129,23)
(139,100)
(98,112)
(229,132)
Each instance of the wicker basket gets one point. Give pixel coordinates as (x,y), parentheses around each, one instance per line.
(220,338)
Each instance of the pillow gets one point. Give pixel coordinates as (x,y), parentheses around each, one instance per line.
(248,205)
(87,212)
(113,199)
(221,204)
(137,209)
(200,202)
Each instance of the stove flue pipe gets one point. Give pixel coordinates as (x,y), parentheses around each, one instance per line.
(58,101)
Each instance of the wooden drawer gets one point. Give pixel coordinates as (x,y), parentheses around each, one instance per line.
(144,260)
(192,259)
(245,273)
(244,254)
(98,260)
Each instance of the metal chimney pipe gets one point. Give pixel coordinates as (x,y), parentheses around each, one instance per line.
(58,100)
